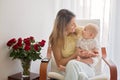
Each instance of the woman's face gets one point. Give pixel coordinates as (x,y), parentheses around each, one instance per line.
(71,26)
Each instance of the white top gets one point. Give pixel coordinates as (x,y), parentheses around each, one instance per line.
(88,44)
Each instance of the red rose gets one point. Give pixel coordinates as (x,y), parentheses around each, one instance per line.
(27,41)
(32,39)
(27,48)
(42,43)
(36,47)
(19,43)
(11,42)
(15,47)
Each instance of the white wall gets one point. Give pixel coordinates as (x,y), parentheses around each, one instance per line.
(23,18)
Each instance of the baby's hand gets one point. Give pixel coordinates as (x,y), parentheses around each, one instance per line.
(61,67)
(78,58)
(84,54)
(96,51)
(92,54)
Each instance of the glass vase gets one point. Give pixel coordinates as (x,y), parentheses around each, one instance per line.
(26,67)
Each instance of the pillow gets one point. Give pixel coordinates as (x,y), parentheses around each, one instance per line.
(55,75)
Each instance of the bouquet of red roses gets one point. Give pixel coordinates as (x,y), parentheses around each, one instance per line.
(25,48)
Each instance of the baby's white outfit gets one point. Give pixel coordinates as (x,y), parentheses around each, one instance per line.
(88,44)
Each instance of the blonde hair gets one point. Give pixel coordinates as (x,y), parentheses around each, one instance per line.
(78,31)
(63,18)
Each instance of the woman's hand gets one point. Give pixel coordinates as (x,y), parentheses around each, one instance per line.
(61,68)
(84,54)
(78,58)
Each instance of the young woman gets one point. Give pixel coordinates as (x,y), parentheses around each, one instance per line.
(62,41)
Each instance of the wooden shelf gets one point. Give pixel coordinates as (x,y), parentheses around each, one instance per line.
(18,76)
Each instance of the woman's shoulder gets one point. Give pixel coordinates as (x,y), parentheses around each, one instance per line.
(77,34)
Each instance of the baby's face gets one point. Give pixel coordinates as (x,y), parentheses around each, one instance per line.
(88,33)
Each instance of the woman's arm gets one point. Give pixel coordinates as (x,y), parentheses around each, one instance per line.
(49,52)
(61,68)
(60,60)
(87,54)
(84,54)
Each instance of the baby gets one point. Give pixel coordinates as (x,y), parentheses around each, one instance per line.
(88,43)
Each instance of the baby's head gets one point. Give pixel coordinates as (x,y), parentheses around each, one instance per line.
(90,31)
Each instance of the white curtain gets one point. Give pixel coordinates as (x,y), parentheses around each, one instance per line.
(89,9)
(108,13)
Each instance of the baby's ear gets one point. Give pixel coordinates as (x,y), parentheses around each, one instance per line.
(92,35)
